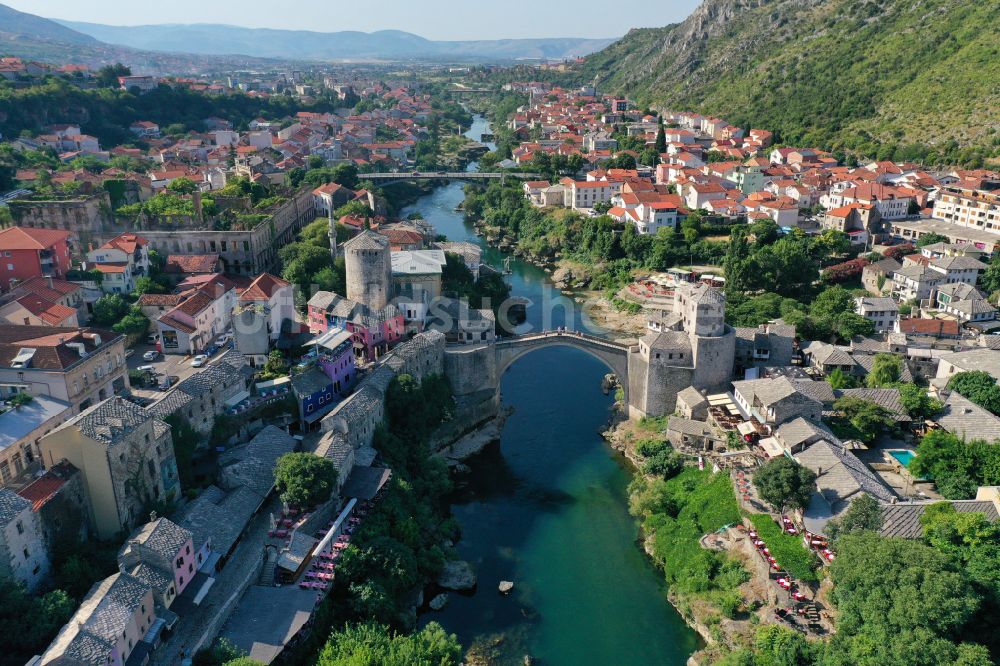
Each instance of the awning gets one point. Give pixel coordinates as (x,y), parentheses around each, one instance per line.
(771,447)
(238,398)
(746,428)
(273,383)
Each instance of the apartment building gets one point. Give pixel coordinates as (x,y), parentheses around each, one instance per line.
(79,366)
(969,207)
(26,253)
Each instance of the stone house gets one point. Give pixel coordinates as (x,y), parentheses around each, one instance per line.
(126,456)
(109,627)
(23,553)
(876,277)
(882,312)
(775,401)
(203,396)
(161,554)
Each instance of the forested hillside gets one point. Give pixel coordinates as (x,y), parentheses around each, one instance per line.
(107,113)
(887,78)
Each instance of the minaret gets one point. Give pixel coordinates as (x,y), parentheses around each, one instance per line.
(332,234)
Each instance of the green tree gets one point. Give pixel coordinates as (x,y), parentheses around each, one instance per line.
(931,239)
(134,324)
(783,483)
(775,645)
(661,141)
(107,76)
(989,281)
(949,461)
(377,645)
(841,380)
(147,285)
(917,403)
(899,602)
(182,185)
(30,622)
(864,513)
(304,479)
(886,370)
(275,366)
(109,310)
(664,463)
(979,387)
(866,419)
(738,265)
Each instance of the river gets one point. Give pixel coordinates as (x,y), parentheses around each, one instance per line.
(547,508)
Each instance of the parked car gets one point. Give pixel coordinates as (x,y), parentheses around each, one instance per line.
(150,355)
(129,352)
(169,381)
(152,339)
(199,361)
(147,368)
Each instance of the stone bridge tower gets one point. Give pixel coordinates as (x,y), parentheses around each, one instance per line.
(369,269)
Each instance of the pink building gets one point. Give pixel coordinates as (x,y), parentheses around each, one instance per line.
(373,332)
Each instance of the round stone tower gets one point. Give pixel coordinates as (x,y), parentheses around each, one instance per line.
(369,269)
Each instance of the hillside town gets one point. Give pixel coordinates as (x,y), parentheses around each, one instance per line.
(205,334)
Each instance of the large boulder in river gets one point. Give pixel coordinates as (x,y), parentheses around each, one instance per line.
(506,586)
(439,602)
(457,575)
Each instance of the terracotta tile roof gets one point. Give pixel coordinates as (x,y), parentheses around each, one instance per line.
(50,344)
(126,243)
(170,322)
(42,489)
(23,238)
(263,288)
(192,263)
(929,326)
(49,288)
(159,299)
(117,267)
(194,304)
(49,312)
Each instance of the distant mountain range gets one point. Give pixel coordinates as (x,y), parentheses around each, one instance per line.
(215,39)
(21,24)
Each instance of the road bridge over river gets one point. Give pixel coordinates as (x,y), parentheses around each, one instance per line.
(386,177)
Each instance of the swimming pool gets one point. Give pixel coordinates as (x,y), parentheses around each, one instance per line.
(904,457)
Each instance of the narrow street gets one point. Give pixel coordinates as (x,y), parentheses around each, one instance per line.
(191,632)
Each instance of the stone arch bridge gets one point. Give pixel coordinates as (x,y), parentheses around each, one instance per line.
(481,367)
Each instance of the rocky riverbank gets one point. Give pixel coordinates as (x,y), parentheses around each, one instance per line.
(573,279)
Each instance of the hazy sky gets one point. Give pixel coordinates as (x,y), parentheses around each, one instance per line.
(434,19)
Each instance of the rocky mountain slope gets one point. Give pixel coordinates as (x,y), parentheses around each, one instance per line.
(904,78)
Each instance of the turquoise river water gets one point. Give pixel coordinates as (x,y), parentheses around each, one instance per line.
(547,508)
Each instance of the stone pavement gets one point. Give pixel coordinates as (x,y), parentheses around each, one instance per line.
(197,629)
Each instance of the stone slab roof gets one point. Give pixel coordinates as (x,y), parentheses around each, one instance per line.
(903,519)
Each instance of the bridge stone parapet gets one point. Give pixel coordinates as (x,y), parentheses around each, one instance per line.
(481,367)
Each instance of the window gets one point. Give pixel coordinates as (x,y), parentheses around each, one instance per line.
(20,527)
